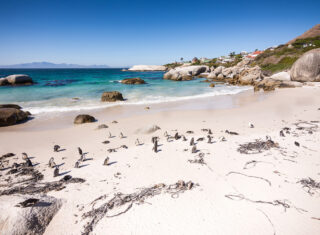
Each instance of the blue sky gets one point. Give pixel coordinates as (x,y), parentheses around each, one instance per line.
(120,33)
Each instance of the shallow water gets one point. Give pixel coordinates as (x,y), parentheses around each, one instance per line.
(55,89)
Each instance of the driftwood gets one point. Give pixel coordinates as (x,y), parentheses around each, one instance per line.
(126,201)
(258,146)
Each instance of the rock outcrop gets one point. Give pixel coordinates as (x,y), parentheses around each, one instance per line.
(16,79)
(11,115)
(307,67)
(133,81)
(84,118)
(111,96)
(185,73)
(28,220)
(148,68)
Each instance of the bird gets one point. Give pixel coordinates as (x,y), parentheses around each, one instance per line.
(110,135)
(192,141)
(106,142)
(209,139)
(82,158)
(52,163)
(56,148)
(222,138)
(165,134)
(210,132)
(24,156)
(184,138)
(76,165)
(121,135)
(297,144)
(251,125)
(80,151)
(106,161)
(194,149)
(282,134)
(268,137)
(137,143)
(28,162)
(56,172)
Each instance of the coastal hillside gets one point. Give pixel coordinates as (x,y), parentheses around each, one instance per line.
(282,57)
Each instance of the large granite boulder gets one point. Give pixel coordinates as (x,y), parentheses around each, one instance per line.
(84,118)
(11,116)
(282,76)
(16,79)
(185,73)
(31,220)
(133,81)
(148,68)
(111,96)
(307,67)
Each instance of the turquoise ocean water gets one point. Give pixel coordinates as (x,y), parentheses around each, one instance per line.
(55,89)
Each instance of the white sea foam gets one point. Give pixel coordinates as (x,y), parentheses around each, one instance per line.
(50,106)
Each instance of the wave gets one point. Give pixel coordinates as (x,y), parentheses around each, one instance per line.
(52,106)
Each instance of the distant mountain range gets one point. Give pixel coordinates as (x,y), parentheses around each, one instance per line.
(48,65)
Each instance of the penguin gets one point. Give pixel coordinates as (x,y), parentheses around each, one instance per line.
(192,141)
(56,148)
(106,161)
(24,156)
(56,172)
(80,151)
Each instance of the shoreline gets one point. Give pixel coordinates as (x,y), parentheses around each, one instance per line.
(122,110)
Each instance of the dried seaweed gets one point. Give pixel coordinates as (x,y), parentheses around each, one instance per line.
(286,204)
(258,146)
(250,176)
(126,201)
(310,184)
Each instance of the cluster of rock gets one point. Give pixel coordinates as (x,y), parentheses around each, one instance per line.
(11,114)
(16,79)
(185,73)
(111,96)
(148,68)
(305,69)
(133,81)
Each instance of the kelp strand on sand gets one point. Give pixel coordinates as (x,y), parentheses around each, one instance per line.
(127,200)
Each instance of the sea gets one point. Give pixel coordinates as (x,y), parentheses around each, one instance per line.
(62,90)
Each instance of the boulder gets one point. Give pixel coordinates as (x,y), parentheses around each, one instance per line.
(12,116)
(15,106)
(269,84)
(212,75)
(16,79)
(185,73)
(212,85)
(203,75)
(282,76)
(220,76)
(218,70)
(133,81)
(148,68)
(84,118)
(31,220)
(307,67)
(111,96)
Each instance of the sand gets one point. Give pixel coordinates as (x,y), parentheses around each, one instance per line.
(207,208)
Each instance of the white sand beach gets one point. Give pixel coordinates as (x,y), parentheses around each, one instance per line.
(233,192)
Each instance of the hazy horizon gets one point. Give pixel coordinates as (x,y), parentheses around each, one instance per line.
(124,33)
